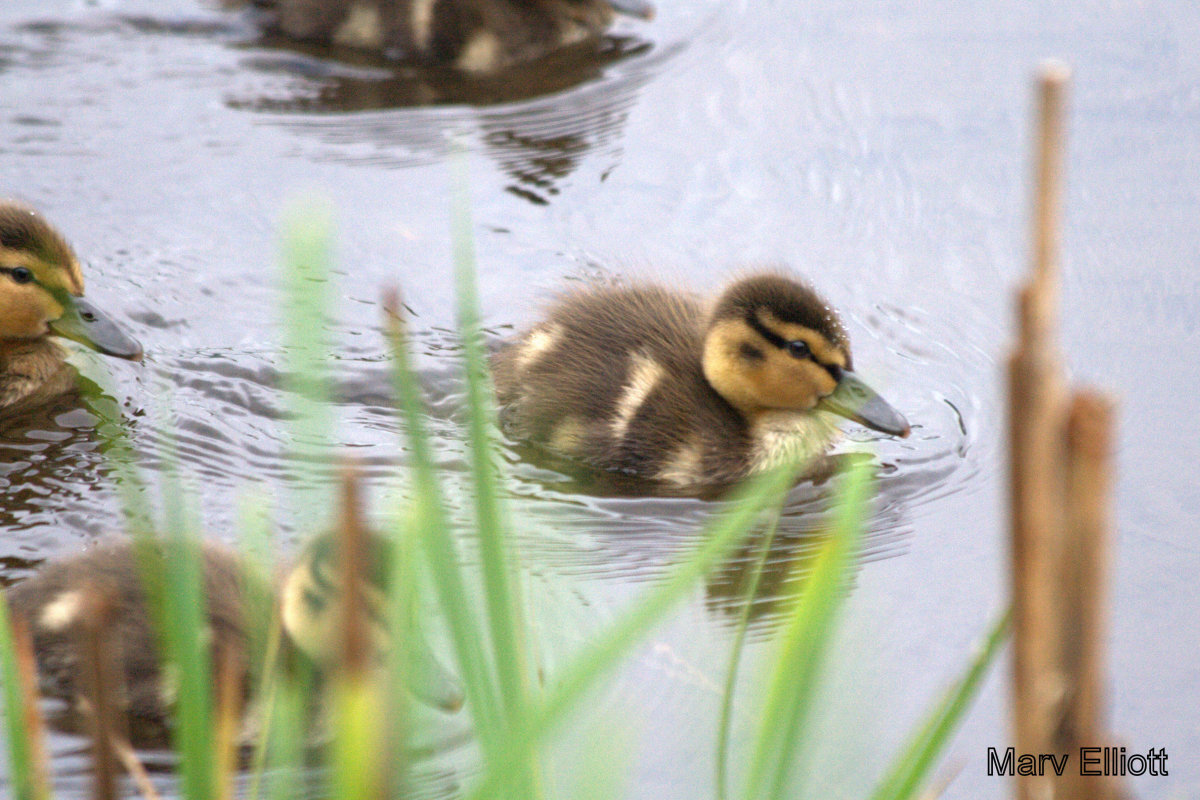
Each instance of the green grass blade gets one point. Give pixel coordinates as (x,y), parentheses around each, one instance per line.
(912,765)
(431,521)
(803,646)
(285,756)
(583,672)
(500,586)
(735,657)
(187,645)
(23,772)
(306,288)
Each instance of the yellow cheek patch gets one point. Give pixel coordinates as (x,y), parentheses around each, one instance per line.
(26,310)
(787,383)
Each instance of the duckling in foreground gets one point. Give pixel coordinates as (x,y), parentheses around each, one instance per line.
(476,36)
(41,288)
(647,381)
(54,604)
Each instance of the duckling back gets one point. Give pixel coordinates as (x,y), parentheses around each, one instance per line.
(614,378)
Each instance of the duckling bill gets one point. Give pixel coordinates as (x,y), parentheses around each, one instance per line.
(652,382)
(41,297)
(54,601)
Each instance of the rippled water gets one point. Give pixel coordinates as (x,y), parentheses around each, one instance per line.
(878,148)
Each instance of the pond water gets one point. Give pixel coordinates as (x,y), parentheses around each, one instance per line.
(881,149)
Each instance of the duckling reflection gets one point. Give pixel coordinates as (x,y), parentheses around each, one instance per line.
(802,531)
(475,36)
(55,600)
(41,298)
(539,142)
(651,382)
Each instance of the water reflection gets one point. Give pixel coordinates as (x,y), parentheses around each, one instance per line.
(524,118)
(52,460)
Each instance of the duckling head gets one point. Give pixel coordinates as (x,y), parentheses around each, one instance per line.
(773,344)
(41,288)
(313,613)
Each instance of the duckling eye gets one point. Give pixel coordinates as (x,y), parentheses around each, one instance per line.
(799,349)
(21,275)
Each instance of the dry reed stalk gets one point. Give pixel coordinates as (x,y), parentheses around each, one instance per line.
(1060,478)
(1036,412)
(229,713)
(135,768)
(101,681)
(356,684)
(353,546)
(1089,481)
(34,725)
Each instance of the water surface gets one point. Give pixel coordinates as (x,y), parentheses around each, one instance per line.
(879,149)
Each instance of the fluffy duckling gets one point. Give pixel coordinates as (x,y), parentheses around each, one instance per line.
(41,288)
(647,381)
(54,603)
(476,36)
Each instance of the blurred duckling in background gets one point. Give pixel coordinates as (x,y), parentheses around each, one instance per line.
(41,288)
(648,381)
(477,36)
(55,601)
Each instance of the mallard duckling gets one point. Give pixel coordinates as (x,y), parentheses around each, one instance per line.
(41,288)
(476,36)
(648,381)
(54,603)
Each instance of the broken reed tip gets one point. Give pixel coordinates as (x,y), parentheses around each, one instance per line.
(1054,72)
(1089,423)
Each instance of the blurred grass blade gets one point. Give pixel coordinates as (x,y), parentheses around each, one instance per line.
(187,646)
(911,767)
(431,522)
(22,718)
(307,237)
(285,746)
(803,645)
(501,587)
(718,539)
(735,657)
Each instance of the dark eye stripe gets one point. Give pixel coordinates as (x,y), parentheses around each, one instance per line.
(778,341)
(765,332)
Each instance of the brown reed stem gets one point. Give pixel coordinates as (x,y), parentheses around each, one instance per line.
(1060,481)
(133,766)
(101,682)
(1085,578)
(352,543)
(1037,452)
(230,676)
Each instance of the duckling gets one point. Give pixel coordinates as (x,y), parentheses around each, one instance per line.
(651,382)
(477,36)
(54,603)
(41,288)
